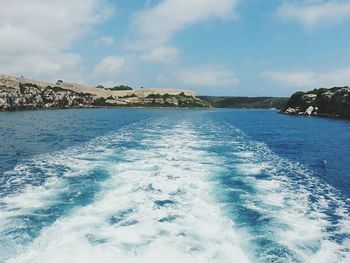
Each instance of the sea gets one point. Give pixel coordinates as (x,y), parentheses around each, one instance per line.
(173,185)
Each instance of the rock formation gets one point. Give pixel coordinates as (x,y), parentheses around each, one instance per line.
(19,94)
(30,96)
(334,102)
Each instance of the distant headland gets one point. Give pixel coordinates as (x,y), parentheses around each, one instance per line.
(18,93)
(333,102)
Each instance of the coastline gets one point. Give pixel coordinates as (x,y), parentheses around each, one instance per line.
(323,116)
(23,94)
(324,102)
(110,107)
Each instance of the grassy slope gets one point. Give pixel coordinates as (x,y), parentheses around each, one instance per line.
(245,102)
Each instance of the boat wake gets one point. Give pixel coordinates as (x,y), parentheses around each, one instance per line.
(170,191)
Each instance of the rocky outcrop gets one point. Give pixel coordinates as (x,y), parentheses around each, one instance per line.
(10,81)
(156,100)
(334,102)
(20,94)
(30,96)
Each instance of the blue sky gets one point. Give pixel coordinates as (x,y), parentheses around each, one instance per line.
(215,47)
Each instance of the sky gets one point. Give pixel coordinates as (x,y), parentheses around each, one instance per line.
(214,47)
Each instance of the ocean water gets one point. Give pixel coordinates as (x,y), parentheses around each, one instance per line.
(135,185)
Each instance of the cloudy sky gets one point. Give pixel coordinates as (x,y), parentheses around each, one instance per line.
(215,47)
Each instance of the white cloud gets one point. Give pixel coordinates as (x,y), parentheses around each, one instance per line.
(155,28)
(157,25)
(162,54)
(46,66)
(313,13)
(110,66)
(208,76)
(36,35)
(310,79)
(106,40)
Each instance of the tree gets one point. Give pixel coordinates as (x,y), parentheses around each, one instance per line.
(121,87)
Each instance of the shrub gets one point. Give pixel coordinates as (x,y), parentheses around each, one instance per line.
(100,102)
(154,96)
(121,87)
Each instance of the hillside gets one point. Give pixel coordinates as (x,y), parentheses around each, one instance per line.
(19,94)
(245,102)
(333,102)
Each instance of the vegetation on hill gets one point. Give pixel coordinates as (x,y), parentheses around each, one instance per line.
(17,95)
(246,102)
(31,96)
(121,87)
(153,100)
(333,102)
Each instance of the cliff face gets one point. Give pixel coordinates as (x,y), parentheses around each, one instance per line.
(334,102)
(30,96)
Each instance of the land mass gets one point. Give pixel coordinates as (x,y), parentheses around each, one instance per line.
(20,94)
(333,102)
(246,102)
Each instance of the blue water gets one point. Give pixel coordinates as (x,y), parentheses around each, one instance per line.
(136,185)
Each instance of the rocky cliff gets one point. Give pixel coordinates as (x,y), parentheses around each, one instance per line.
(334,102)
(156,100)
(20,94)
(30,96)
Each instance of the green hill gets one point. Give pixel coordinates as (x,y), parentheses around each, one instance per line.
(246,102)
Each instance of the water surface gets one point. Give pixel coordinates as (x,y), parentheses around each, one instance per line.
(135,185)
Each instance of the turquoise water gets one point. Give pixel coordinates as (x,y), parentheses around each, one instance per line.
(134,185)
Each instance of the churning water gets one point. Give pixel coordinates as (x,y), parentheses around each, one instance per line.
(173,186)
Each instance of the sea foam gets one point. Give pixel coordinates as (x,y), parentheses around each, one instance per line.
(155,206)
(171,191)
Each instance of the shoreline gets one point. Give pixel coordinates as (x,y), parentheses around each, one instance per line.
(23,94)
(323,116)
(138,107)
(105,107)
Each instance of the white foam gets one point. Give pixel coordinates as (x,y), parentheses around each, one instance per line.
(252,168)
(157,206)
(302,223)
(30,199)
(244,154)
(187,227)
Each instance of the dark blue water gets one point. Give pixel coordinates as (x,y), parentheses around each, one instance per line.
(199,185)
